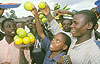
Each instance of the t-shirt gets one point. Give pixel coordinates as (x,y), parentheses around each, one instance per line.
(9,53)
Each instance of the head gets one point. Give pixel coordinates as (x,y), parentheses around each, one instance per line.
(60,42)
(59,19)
(9,27)
(20,25)
(66,24)
(31,25)
(83,23)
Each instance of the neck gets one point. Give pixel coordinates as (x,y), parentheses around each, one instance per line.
(53,54)
(83,38)
(9,39)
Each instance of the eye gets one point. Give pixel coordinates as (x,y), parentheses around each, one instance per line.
(8,26)
(57,41)
(14,26)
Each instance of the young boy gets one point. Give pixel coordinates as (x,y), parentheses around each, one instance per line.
(57,47)
(9,54)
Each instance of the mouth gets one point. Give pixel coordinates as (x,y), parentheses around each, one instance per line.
(73,31)
(13,32)
(51,46)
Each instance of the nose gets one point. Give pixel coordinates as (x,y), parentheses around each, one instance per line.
(71,26)
(53,41)
(13,28)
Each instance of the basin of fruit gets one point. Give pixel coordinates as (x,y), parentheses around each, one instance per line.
(23,39)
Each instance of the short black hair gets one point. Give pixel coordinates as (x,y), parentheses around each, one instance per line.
(90,16)
(67,19)
(6,20)
(67,40)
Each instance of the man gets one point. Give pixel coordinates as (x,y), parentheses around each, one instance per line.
(66,24)
(83,50)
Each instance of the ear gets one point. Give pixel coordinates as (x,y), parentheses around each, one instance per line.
(96,27)
(90,25)
(65,47)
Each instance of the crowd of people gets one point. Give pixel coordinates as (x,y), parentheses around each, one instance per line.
(75,43)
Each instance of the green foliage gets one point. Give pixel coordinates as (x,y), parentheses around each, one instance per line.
(56,6)
(10,15)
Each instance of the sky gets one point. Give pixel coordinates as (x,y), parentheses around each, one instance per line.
(72,4)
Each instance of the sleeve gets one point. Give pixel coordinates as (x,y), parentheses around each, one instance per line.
(45,44)
(54,27)
(27,55)
(95,59)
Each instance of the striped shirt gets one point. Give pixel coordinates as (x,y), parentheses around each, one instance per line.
(85,53)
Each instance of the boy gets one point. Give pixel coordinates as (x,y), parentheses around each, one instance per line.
(8,53)
(57,47)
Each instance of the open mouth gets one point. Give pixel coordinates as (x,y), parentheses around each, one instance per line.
(51,46)
(13,32)
(73,31)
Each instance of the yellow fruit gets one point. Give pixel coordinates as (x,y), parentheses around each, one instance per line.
(57,17)
(26,40)
(21,32)
(60,25)
(15,37)
(44,19)
(33,21)
(18,41)
(42,5)
(28,5)
(41,16)
(32,37)
(29,34)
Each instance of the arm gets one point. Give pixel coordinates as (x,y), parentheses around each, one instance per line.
(22,57)
(62,12)
(54,26)
(38,25)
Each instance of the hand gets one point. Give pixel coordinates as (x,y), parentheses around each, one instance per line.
(46,10)
(62,12)
(60,60)
(34,11)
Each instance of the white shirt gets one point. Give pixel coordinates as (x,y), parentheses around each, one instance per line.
(85,53)
(9,53)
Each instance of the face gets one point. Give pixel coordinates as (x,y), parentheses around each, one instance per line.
(31,26)
(20,25)
(79,25)
(57,43)
(9,28)
(66,25)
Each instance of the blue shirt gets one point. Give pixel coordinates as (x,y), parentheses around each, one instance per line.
(45,45)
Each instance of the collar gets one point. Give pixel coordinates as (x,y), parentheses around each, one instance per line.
(85,42)
(56,57)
